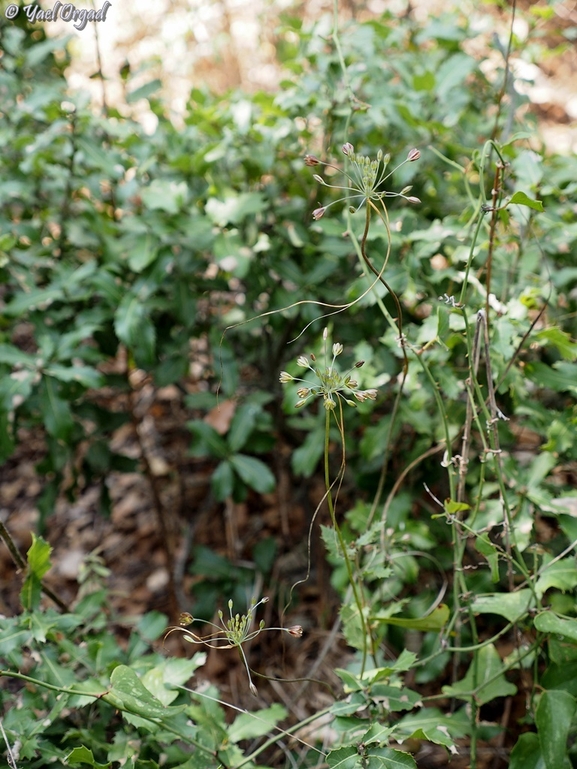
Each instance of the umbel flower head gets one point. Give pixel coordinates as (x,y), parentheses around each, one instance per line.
(235,631)
(366,178)
(330,383)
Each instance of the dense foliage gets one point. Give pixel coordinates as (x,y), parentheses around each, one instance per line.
(122,251)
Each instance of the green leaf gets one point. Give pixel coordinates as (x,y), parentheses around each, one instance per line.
(559,378)
(222,481)
(56,412)
(521,199)
(433,622)
(234,208)
(561,575)
(484,680)
(395,698)
(83,755)
(38,558)
(344,758)
(15,357)
(512,606)
(163,679)
(206,441)
(484,545)
(254,473)
(527,753)
(248,726)
(129,694)
(305,458)
(242,425)
(143,252)
(548,622)
(559,339)
(387,758)
(144,91)
(84,375)
(553,718)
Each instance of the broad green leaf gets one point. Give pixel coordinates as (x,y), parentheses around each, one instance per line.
(222,480)
(484,680)
(38,559)
(484,545)
(437,727)
(521,199)
(433,622)
(527,753)
(144,91)
(38,298)
(350,680)
(84,375)
(254,473)
(83,755)
(56,412)
(169,673)
(16,357)
(561,575)
(143,251)
(129,694)
(559,339)
(548,622)
(387,758)
(248,726)
(234,208)
(395,698)
(560,378)
(344,758)
(242,425)
(206,441)
(512,606)
(553,718)
(305,458)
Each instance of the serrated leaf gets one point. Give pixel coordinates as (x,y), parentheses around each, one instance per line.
(521,199)
(83,755)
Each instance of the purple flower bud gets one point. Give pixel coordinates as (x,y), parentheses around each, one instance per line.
(414,154)
(359,363)
(318,213)
(413,199)
(348,149)
(295,630)
(311,160)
